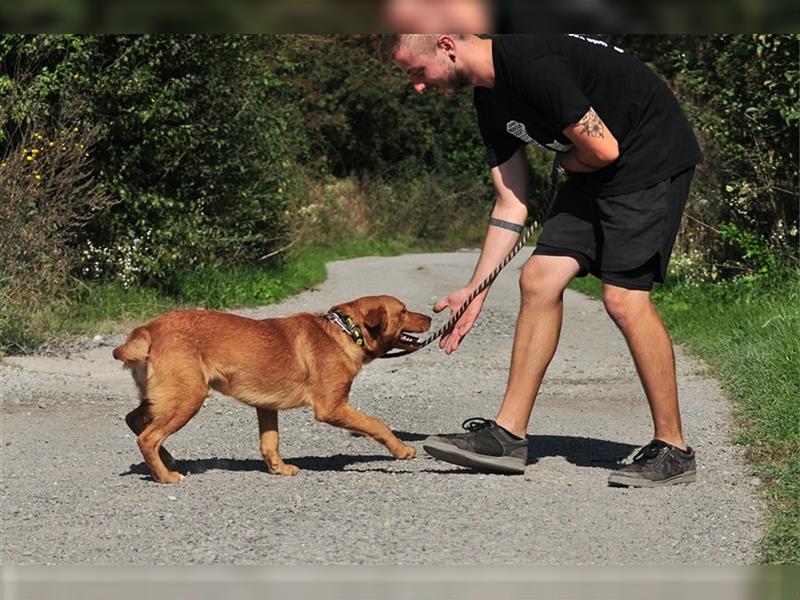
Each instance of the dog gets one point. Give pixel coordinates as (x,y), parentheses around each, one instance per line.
(271,364)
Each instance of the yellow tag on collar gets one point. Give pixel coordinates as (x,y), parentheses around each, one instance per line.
(357,337)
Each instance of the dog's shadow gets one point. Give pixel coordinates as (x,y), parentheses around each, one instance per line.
(337,462)
(579,451)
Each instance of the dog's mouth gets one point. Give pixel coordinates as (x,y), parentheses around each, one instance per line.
(406,341)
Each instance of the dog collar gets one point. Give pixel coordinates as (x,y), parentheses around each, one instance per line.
(346,324)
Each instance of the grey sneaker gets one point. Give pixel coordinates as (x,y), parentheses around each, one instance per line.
(657,464)
(486,447)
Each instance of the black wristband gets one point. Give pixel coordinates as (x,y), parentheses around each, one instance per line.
(515,227)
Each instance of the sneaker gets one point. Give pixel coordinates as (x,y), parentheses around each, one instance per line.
(486,447)
(657,464)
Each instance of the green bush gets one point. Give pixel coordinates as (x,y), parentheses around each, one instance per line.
(362,116)
(191,141)
(741,94)
(225,150)
(47,193)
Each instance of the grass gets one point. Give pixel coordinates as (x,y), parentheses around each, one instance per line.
(748,332)
(106,307)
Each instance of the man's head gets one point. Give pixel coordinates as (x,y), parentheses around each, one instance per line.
(430,16)
(428,59)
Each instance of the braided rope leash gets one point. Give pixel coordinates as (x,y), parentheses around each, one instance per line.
(447,327)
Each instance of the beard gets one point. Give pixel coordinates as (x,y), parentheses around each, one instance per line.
(460,81)
(456,82)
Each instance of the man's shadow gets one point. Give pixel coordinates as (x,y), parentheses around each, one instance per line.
(580,451)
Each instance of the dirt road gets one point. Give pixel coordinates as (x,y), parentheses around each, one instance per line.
(74,490)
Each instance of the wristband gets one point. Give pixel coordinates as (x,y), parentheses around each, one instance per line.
(515,227)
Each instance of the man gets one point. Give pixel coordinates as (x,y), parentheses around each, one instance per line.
(629,154)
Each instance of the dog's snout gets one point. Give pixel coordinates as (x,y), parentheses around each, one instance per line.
(418,322)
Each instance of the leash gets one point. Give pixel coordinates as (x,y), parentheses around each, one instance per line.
(447,327)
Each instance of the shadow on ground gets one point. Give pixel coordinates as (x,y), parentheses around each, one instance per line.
(337,462)
(580,451)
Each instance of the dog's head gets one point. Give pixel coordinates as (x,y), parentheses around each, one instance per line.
(385,323)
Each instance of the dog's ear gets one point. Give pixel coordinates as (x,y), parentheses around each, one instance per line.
(375,320)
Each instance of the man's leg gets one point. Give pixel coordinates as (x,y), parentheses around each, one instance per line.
(502,446)
(542,285)
(651,348)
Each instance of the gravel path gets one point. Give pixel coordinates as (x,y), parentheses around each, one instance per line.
(74,489)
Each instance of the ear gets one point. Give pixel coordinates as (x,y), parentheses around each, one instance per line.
(446,43)
(375,320)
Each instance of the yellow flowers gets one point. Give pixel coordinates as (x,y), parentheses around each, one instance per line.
(39,153)
(31,154)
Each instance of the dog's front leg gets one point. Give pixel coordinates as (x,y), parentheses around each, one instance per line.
(344,415)
(268,432)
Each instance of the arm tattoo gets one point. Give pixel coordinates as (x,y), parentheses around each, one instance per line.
(593,126)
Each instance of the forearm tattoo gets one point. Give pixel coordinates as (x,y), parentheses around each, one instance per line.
(592,125)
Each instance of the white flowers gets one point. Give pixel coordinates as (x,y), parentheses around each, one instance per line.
(692,269)
(122,262)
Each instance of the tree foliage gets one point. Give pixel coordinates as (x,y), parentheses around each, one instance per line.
(200,139)
(740,92)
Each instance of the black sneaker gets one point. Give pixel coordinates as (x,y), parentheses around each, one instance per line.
(657,464)
(487,447)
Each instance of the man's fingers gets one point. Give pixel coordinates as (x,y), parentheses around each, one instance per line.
(450,347)
(443,340)
(440,305)
(455,338)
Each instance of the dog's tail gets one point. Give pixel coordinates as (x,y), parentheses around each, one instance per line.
(135,349)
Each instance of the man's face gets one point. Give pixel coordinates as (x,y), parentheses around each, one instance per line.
(431,71)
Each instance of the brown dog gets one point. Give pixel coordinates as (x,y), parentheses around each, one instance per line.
(271,364)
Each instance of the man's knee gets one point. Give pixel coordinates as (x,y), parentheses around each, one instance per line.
(544,278)
(624,306)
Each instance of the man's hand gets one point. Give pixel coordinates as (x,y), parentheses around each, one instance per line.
(451,341)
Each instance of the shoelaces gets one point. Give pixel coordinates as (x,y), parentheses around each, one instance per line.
(650,451)
(477,423)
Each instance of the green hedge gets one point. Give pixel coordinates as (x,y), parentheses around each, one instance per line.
(741,94)
(206,146)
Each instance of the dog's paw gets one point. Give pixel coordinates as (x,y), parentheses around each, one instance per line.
(172,477)
(284,469)
(404,452)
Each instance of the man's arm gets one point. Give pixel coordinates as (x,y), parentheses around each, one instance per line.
(511,186)
(594,146)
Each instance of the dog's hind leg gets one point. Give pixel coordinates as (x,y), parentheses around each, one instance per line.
(138,419)
(268,432)
(168,416)
(348,417)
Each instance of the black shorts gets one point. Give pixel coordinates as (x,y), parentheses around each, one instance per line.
(625,240)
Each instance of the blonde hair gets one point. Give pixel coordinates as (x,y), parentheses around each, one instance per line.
(417,43)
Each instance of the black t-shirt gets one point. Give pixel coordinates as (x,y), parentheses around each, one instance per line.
(545,83)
